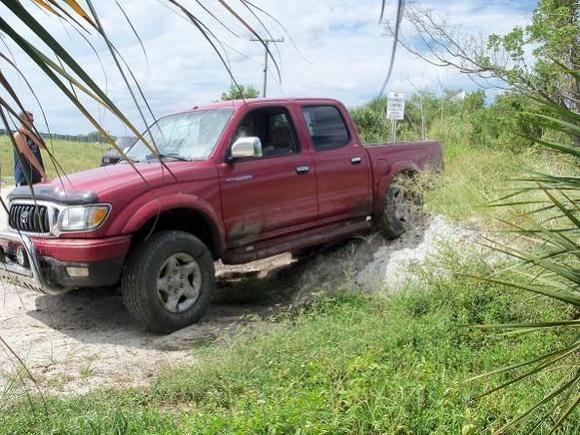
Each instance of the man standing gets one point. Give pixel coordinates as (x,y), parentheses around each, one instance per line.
(28,164)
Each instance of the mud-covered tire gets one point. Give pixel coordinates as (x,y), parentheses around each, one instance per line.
(402,206)
(158,269)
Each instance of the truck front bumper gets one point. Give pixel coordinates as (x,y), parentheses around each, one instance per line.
(55,266)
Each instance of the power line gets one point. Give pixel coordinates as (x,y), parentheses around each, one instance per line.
(265,42)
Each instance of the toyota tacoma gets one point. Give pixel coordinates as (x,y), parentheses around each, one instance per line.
(231,181)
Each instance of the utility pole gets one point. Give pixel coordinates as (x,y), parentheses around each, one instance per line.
(266,42)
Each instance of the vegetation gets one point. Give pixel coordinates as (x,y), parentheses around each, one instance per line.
(239,92)
(525,131)
(473,179)
(72,156)
(504,61)
(344,364)
(544,207)
(552,36)
(486,146)
(460,120)
(548,264)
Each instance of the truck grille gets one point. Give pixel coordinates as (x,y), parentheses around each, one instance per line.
(30,218)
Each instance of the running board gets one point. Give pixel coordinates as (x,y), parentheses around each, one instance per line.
(290,243)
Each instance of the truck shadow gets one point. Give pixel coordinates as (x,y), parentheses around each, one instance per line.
(244,294)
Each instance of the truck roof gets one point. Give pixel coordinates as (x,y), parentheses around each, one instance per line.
(235,104)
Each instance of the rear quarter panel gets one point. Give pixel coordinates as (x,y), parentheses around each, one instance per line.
(387,160)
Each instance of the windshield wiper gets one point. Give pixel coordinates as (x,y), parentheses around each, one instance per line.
(173,156)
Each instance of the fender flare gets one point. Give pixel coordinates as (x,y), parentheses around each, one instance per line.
(160,205)
(385,180)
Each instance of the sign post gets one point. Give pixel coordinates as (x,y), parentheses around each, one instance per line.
(395,110)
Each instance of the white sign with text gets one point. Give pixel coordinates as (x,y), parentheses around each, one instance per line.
(396,105)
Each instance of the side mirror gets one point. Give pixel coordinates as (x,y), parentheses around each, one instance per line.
(244,147)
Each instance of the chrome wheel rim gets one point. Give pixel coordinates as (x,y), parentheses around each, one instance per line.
(179,282)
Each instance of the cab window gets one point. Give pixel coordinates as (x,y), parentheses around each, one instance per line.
(326,127)
(274,127)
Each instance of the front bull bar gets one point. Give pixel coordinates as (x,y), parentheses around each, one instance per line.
(14,273)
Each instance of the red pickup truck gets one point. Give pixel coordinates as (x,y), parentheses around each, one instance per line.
(235,181)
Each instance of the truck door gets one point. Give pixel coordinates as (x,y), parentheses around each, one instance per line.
(342,166)
(268,196)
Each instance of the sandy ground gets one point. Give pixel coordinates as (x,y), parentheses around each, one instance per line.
(86,339)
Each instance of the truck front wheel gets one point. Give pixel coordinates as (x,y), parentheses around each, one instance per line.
(168,281)
(402,207)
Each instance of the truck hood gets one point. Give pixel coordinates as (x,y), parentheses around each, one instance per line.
(107,182)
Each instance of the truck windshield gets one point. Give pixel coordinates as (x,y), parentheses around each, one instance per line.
(187,136)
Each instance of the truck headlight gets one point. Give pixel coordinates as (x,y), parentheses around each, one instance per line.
(82,218)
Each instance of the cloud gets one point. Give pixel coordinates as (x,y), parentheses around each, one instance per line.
(335,48)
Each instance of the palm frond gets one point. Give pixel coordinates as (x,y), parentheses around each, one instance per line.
(548,218)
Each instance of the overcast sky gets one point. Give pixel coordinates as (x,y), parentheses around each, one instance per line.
(334,48)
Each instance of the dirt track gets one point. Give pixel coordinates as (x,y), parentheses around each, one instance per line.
(86,339)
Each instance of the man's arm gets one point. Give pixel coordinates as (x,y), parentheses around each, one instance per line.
(23,147)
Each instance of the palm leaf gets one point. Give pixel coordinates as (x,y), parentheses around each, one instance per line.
(535,360)
(79,11)
(549,265)
(561,388)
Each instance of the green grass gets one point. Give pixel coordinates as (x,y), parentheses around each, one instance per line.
(344,364)
(72,156)
(474,178)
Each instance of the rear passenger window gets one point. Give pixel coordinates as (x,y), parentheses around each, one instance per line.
(326,126)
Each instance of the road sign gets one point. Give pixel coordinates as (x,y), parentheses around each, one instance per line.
(396,105)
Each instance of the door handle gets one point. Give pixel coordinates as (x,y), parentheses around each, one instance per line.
(355,160)
(302,169)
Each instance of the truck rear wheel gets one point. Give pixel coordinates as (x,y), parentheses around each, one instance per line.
(168,282)
(402,207)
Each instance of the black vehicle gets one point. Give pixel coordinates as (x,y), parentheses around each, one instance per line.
(112,156)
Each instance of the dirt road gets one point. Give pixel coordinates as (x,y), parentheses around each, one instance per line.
(85,338)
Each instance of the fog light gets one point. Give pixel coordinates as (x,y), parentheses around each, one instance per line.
(22,257)
(77,272)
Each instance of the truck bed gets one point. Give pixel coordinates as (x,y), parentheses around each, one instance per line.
(422,154)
